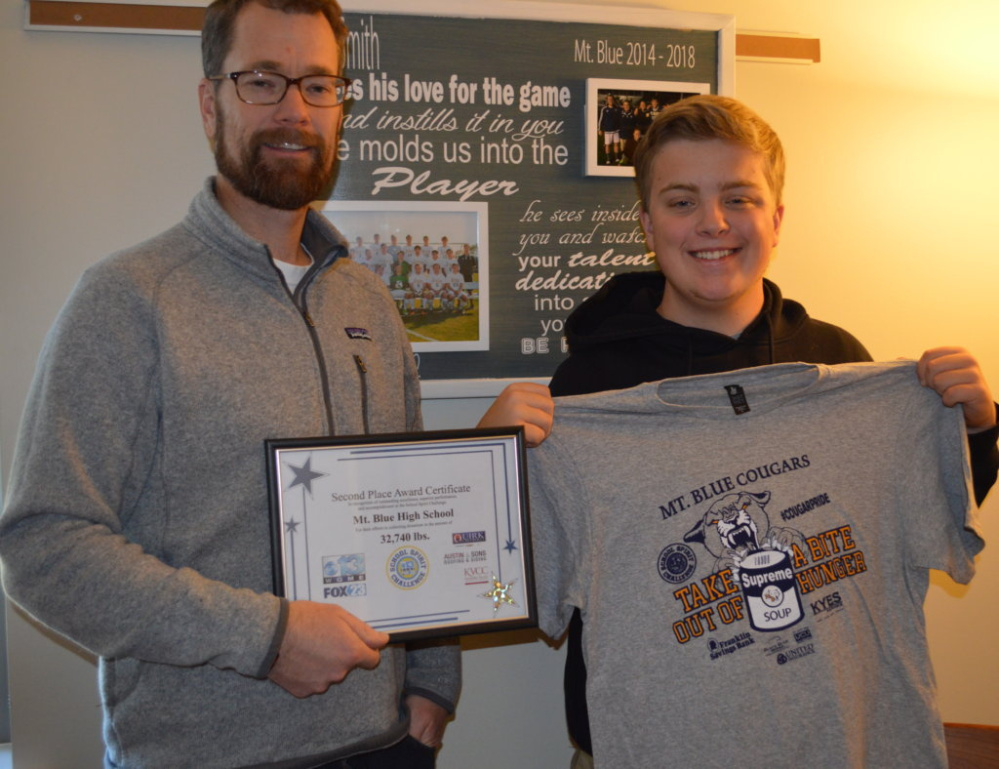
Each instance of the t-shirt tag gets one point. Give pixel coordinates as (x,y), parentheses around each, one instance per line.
(737,397)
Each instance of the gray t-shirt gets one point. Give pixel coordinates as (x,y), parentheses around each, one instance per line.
(750,552)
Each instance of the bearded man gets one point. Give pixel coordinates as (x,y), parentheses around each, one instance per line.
(137,521)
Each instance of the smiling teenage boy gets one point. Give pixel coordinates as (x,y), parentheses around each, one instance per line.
(710,175)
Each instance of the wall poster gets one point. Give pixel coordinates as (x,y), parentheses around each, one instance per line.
(477,172)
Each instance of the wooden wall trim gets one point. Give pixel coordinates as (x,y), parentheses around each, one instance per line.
(65,15)
(120,17)
(804,49)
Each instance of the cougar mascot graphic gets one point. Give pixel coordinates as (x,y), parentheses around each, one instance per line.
(738,524)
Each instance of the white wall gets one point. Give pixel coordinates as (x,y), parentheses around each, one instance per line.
(888,232)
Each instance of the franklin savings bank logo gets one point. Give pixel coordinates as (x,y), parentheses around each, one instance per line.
(408,567)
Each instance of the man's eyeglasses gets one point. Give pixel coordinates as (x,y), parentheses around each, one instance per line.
(254,87)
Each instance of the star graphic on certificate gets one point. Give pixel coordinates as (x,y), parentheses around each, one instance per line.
(291,526)
(500,594)
(304,476)
(510,546)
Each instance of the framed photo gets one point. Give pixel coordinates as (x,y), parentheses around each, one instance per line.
(434,259)
(618,112)
(501,120)
(419,535)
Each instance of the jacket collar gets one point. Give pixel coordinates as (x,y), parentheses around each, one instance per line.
(625,308)
(209,222)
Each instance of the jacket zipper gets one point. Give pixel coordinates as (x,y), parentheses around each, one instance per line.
(362,371)
(298,299)
(321,360)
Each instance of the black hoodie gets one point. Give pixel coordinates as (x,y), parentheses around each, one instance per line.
(617,339)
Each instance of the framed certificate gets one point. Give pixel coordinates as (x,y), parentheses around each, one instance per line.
(418,534)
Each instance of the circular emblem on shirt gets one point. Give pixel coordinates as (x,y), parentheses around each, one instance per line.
(676,563)
(408,567)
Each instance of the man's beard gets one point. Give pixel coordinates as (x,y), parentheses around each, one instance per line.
(281,185)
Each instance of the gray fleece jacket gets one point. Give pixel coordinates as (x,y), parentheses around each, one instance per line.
(137,520)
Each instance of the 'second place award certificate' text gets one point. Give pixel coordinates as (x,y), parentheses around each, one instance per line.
(419,535)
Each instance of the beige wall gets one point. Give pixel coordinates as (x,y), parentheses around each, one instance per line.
(888,232)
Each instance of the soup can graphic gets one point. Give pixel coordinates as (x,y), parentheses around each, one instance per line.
(768,583)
